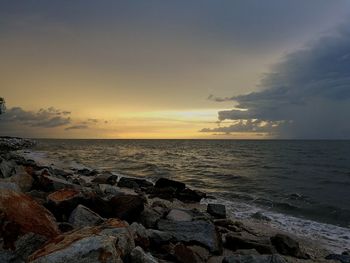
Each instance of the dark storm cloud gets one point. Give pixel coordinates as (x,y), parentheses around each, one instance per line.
(45,118)
(306,95)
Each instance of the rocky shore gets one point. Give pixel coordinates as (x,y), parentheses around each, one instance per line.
(51,214)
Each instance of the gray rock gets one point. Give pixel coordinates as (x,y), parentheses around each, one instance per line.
(179,215)
(140,235)
(83,216)
(149,217)
(201,232)
(217,210)
(139,256)
(28,244)
(285,245)
(158,237)
(244,240)
(254,259)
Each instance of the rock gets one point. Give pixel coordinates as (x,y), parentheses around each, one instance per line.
(14,143)
(158,238)
(87,172)
(7,168)
(28,244)
(65,227)
(217,210)
(200,232)
(189,195)
(285,245)
(140,235)
(44,181)
(167,193)
(179,215)
(134,182)
(27,215)
(149,217)
(165,183)
(247,241)
(187,254)
(341,258)
(139,256)
(90,244)
(83,216)
(105,178)
(254,259)
(260,216)
(4,185)
(126,207)
(22,179)
(62,202)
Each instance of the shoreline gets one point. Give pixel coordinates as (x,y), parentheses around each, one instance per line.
(252,234)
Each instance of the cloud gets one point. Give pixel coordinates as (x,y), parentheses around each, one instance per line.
(305,95)
(45,118)
(77,127)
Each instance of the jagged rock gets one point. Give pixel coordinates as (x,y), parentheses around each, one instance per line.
(189,254)
(22,179)
(217,210)
(247,241)
(285,245)
(139,256)
(199,232)
(126,207)
(254,259)
(105,178)
(62,202)
(149,217)
(189,195)
(83,216)
(134,182)
(90,244)
(158,238)
(22,210)
(140,235)
(179,215)
(341,258)
(165,183)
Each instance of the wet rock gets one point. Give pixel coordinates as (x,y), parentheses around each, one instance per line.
(217,210)
(179,215)
(105,178)
(139,256)
(90,244)
(83,216)
(341,258)
(189,195)
(149,217)
(134,183)
(285,245)
(30,216)
(165,183)
(199,232)
(126,207)
(254,259)
(235,241)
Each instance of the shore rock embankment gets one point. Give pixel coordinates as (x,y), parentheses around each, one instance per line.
(55,215)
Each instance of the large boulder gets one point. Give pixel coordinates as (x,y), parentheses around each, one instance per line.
(217,210)
(244,240)
(254,259)
(199,232)
(134,182)
(105,178)
(90,244)
(83,216)
(179,215)
(189,195)
(27,215)
(285,245)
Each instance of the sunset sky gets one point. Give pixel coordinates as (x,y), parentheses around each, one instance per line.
(175,69)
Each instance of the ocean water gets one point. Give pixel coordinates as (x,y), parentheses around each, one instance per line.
(303,186)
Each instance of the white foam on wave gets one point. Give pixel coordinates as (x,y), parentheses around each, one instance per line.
(333,238)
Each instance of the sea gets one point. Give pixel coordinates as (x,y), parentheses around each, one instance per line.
(300,186)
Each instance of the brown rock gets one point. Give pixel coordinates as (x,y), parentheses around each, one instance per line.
(22,210)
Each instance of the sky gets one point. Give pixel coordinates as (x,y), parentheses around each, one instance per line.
(244,69)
